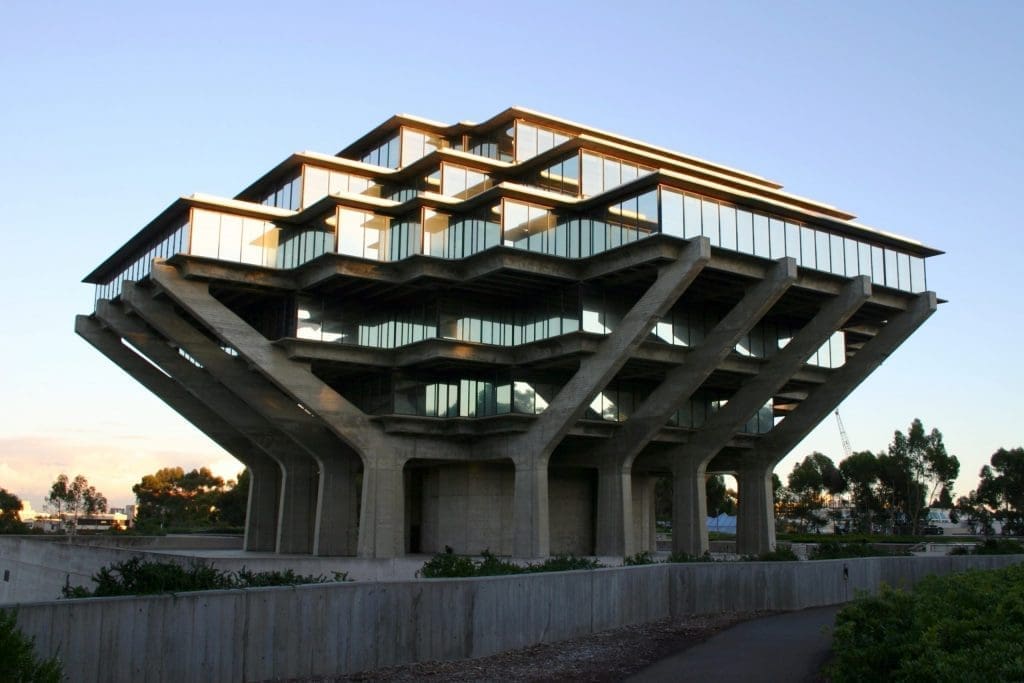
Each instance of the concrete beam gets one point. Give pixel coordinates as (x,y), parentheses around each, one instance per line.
(261,520)
(824,399)
(346,420)
(531,451)
(320,449)
(681,382)
(776,371)
(615,350)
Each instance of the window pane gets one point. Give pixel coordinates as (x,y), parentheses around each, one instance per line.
(205,233)
(727,222)
(745,231)
(904,274)
(526,141)
(709,219)
(691,209)
(822,241)
(891,269)
(917,275)
(793,241)
(230,238)
(838,256)
(864,258)
(592,175)
(314,184)
(671,213)
(761,236)
(777,237)
(807,250)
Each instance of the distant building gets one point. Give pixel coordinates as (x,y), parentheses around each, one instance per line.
(499,335)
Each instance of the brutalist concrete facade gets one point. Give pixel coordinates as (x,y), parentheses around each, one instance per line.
(499,335)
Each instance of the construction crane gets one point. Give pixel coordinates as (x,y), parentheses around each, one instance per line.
(842,434)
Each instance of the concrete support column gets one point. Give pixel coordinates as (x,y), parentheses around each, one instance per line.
(261,508)
(382,517)
(689,506)
(337,520)
(298,506)
(530,510)
(616,534)
(755,522)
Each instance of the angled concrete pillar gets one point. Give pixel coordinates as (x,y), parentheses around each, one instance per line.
(293,507)
(755,519)
(677,387)
(382,518)
(349,423)
(689,506)
(774,373)
(261,520)
(536,445)
(315,444)
(597,370)
(824,399)
(616,534)
(683,380)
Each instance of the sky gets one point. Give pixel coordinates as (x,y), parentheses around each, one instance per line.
(907,114)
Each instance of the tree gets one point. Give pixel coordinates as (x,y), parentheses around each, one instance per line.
(10,513)
(719,499)
(923,458)
(75,497)
(809,480)
(861,471)
(232,503)
(171,497)
(1002,486)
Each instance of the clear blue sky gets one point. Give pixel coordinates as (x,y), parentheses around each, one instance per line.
(907,114)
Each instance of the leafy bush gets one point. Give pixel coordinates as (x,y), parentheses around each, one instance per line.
(952,628)
(686,557)
(143,577)
(18,660)
(1000,546)
(448,565)
(638,559)
(777,555)
(564,563)
(832,550)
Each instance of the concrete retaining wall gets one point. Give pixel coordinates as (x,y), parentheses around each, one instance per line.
(266,633)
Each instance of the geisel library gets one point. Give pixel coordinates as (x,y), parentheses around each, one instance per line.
(500,335)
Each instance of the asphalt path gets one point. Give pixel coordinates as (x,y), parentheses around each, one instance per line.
(783,647)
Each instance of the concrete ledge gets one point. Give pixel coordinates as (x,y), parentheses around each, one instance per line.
(325,629)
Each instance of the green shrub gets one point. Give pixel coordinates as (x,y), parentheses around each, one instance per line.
(833,550)
(564,563)
(967,626)
(638,559)
(686,557)
(777,555)
(448,565)
(1001,546)
(143,577)
(18,660)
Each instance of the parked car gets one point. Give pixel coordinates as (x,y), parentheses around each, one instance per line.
(932,530)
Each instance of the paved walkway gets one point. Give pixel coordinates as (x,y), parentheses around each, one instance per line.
(785,647)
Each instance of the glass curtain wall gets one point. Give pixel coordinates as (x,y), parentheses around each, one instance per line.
(287,195)
(532,139)
(318,182)
(687,215)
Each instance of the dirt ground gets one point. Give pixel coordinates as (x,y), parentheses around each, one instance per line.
(606,656)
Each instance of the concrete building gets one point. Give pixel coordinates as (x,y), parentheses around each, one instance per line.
(499,335)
